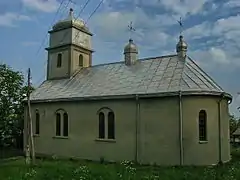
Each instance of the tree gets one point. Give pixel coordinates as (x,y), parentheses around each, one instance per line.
(234,124)
(12,93)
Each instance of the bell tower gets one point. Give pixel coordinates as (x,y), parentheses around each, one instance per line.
(69,48)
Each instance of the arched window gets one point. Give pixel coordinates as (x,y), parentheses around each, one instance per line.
(101,126)
(111,126)
(65,124)
(62,127)
(80,60)
(202,125)
(37,123)
(59,60)
(58,124)
(106,117)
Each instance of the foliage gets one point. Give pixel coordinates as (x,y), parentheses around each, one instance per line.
(12,93)
(79,170)
(234,124)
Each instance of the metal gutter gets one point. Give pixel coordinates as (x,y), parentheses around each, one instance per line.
(181,129)
(137,129)
(219,129)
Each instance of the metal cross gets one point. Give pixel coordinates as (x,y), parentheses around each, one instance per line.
(181,25)
(131,29)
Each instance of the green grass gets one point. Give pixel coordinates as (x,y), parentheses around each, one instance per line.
(76,170)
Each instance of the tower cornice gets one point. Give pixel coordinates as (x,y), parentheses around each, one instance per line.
(68,45)
(70,26)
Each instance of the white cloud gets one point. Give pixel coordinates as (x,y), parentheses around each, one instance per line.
(111,32)
(180,7)
(211,57)
(232,3)
(228,28)
(151,31)
(198,31)
(222,46)
(210,10)
(215,58)
(113,26)
(218,55)
(10,19)
(228,24)
(42,5)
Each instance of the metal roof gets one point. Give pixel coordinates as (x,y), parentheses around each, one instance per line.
(164,74)
(237,132)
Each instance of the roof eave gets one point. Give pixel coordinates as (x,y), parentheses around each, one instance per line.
(129,96)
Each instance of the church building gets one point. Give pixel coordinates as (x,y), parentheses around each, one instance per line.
(158,110)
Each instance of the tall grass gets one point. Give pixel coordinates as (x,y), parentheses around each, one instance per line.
(79,170)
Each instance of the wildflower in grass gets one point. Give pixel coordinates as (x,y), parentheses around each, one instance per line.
(186,174)
(231,173)
(81,173)
(30,175)
(126,163)
(151,177)
(209,172)
(119,175)
(54,157)
(129,170)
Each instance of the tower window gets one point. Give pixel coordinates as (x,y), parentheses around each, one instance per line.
(202,125)
(80,60)
(59,60)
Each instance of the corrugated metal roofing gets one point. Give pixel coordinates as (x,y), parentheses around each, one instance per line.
(152,75)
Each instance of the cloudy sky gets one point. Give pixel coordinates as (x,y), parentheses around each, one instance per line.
(211,29)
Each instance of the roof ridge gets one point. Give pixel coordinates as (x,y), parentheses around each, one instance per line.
(141,59)
(215,84)
(190,68)
(189,77)
(156,57)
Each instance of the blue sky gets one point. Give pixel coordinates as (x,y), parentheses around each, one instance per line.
(211,29)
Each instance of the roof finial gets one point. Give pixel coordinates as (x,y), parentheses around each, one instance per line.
(181,25)
(181,47)
(131,29)
(71,12)
(130,50)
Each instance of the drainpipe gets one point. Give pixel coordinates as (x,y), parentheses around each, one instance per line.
(137,129)
(219,129)
(181,128)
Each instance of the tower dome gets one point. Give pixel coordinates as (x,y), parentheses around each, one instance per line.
(130,53)
(131,47)
(181,47)
(69,22)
